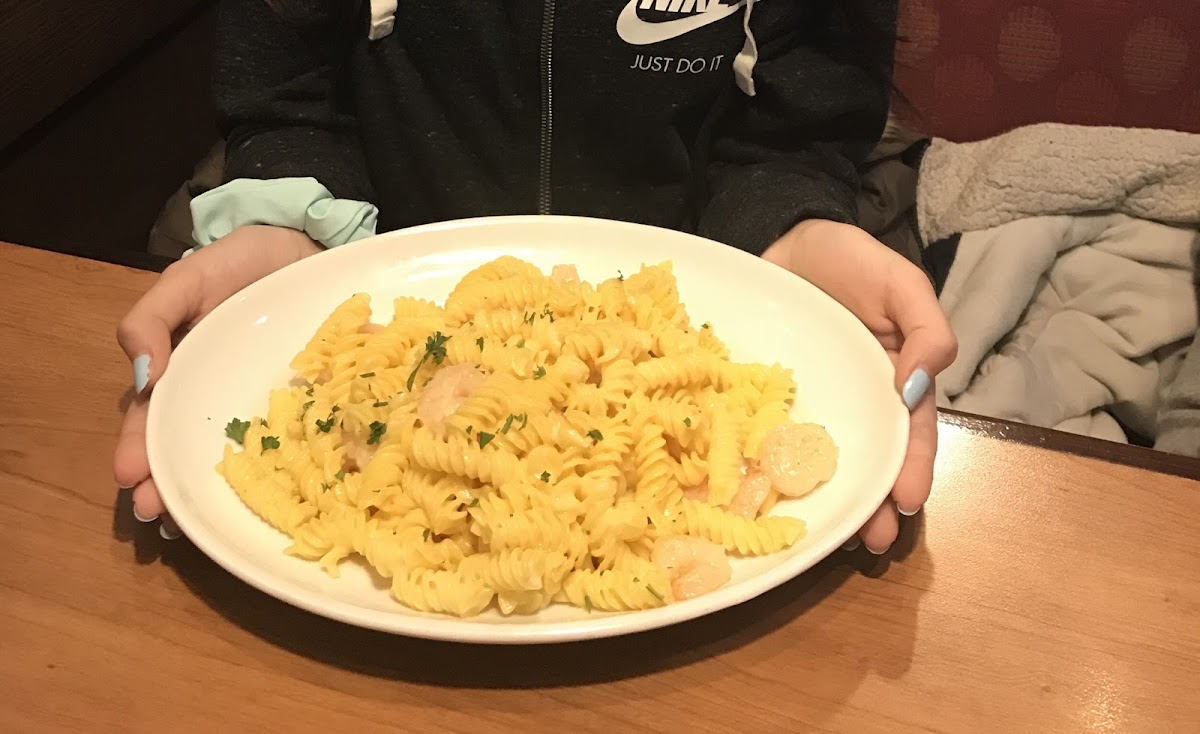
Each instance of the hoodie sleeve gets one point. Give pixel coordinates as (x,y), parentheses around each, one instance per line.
(791,151)
(275,84)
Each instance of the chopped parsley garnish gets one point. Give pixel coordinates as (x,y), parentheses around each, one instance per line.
(688,421)
(335,409)
(587,603)
(379,404)
(309,391)
(507,423)
(620,275)
(236,430)
(340,475)
(470,429)
(548,314)
(520,344)
(655,593)
(377,431)
(326,487)
(544,476)
(706,325)
(529,317)
(425,535)
(479,343)
(595,435)
(484,438)
(307,405)
(269,442)
(324,425)
(474,503)
(539,373)
(367,374)
(435,349)
(523,418)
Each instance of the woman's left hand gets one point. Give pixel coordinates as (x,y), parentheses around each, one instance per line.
(894,299)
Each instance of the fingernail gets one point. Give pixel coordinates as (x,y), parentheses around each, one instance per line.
(139,518)
(915,388)
(879,552)
(168,534)
(851,544)
(909,513)
(141,372)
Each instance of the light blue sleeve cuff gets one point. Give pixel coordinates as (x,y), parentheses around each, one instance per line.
(297,203)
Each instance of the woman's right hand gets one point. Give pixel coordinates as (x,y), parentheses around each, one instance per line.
(185,293)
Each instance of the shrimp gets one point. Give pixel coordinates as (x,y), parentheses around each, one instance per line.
(798,457)
(564,274)
(446,392)
(751,494)
(357,456)
(695,566)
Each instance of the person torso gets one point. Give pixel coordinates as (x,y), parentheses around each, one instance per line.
(592,107)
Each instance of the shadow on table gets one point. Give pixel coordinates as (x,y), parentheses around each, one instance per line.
(573,664)
(148,546)
(479,666)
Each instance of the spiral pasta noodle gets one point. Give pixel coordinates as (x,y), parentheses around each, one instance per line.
(739,534)
(535,441)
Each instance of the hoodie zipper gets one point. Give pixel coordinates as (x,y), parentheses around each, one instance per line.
(546,143)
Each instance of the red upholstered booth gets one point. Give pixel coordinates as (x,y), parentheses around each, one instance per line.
(975,68)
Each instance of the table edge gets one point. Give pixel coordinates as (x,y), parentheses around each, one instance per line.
(1075,444)
(136,259)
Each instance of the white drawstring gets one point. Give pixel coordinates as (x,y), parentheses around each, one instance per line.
(383,19)
(743,63)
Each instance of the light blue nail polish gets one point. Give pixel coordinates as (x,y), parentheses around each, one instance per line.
(915,388)
(141,372)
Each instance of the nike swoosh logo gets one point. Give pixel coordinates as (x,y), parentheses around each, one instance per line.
(637,32)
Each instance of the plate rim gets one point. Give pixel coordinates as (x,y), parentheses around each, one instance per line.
(412,623)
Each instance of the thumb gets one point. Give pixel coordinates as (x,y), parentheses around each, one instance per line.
(145,332)
(929,344)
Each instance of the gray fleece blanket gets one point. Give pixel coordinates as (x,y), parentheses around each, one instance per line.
(1072,288)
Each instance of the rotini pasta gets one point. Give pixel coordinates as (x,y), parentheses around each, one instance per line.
(538,440)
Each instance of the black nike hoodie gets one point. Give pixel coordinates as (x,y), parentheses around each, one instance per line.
(622,109)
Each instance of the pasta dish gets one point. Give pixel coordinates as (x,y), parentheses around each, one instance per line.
(537,440)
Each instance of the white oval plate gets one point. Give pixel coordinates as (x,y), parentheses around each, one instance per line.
(230,361)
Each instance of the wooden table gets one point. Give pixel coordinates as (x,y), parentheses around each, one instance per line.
(1040,591)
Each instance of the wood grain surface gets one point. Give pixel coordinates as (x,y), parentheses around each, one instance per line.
(1040,591)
